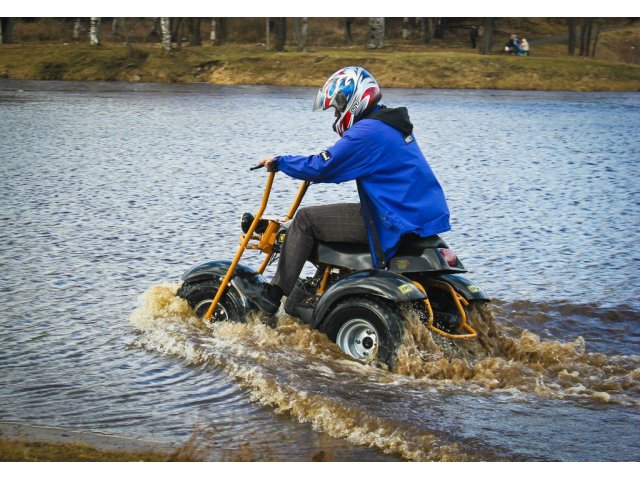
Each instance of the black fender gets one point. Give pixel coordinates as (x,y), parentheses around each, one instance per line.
(244,281)
(465,287)
(379,283)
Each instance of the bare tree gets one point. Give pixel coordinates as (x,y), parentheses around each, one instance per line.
(375,38)
(571,40)
(165,27)
(595,38)
(487,35)
(348,21)
(218,31)
(426,29)
(77,28)
(585,37)
(407,28)
(195,37)
(280,29)
(94,31)
(6,29)
(153,35)
(302,27)
(212,35)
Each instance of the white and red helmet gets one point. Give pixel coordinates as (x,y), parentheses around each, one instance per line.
(352,91)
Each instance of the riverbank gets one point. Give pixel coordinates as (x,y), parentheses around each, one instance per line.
(32,443)
(414,67)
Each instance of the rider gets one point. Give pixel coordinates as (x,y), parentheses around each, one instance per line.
(399,193)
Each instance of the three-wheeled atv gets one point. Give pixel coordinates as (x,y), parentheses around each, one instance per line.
(355,305)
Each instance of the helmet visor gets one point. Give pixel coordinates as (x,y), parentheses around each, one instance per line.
(318,104)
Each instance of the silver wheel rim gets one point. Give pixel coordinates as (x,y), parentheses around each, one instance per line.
(219,315)
(359,339)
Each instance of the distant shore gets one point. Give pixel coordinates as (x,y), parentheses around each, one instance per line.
(251,64)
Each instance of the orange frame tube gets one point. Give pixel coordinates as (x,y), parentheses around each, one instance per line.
(245,241)
(243,246)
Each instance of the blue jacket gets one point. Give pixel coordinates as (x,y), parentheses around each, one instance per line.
(395,183)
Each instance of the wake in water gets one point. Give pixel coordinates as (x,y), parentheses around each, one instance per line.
(299,371)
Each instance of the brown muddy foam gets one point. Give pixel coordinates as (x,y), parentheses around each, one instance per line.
(259,356)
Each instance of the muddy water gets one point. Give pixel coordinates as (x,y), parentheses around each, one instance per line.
(109,192)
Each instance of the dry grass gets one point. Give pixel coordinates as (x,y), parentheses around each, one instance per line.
(36,451)
(251,64)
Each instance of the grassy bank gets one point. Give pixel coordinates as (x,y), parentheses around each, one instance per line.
(250,64)
(38,451)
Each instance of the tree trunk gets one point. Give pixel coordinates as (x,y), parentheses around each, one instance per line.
(487,35)
(195,38)
(441,25)
(94,31)
(212,36)
(165,27)
(585,37)
(595,39)
(376,32)
(426,26)
(302,27)
(6,29)
(219,31)
(347,29)
(571,42)
(280,27)
(406,28)
(114,28)
(77,28)
(153,35)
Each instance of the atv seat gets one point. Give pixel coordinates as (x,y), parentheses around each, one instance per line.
(356,256)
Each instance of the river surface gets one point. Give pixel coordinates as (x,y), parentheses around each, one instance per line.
(109,192)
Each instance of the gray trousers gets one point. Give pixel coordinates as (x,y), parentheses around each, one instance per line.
(341,222)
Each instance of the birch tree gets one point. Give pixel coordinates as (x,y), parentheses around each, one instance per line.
(218,30)
(165,27)
(302,27)
(94,31)
(375,39)
(77,28)
(212,36)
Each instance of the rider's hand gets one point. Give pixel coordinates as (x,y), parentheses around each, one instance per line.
(269,163)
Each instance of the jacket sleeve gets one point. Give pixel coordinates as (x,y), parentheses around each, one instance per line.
(346,160)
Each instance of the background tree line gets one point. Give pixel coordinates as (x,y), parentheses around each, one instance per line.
(581,38)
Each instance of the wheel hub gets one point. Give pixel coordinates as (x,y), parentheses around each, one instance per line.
(359,339)
(219,315)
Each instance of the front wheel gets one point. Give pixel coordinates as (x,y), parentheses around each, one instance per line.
(200,295)
(367,330)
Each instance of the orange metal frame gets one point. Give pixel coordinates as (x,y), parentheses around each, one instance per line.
(459,301)
(265,241)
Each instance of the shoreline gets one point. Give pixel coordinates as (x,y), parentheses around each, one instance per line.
(22,442)
(251,65)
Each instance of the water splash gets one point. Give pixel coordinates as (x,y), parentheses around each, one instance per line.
(298,371)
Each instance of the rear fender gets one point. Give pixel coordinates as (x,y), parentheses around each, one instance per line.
(465,287)
(379,283)
(244,281)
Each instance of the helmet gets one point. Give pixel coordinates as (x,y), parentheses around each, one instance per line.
(353,92)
